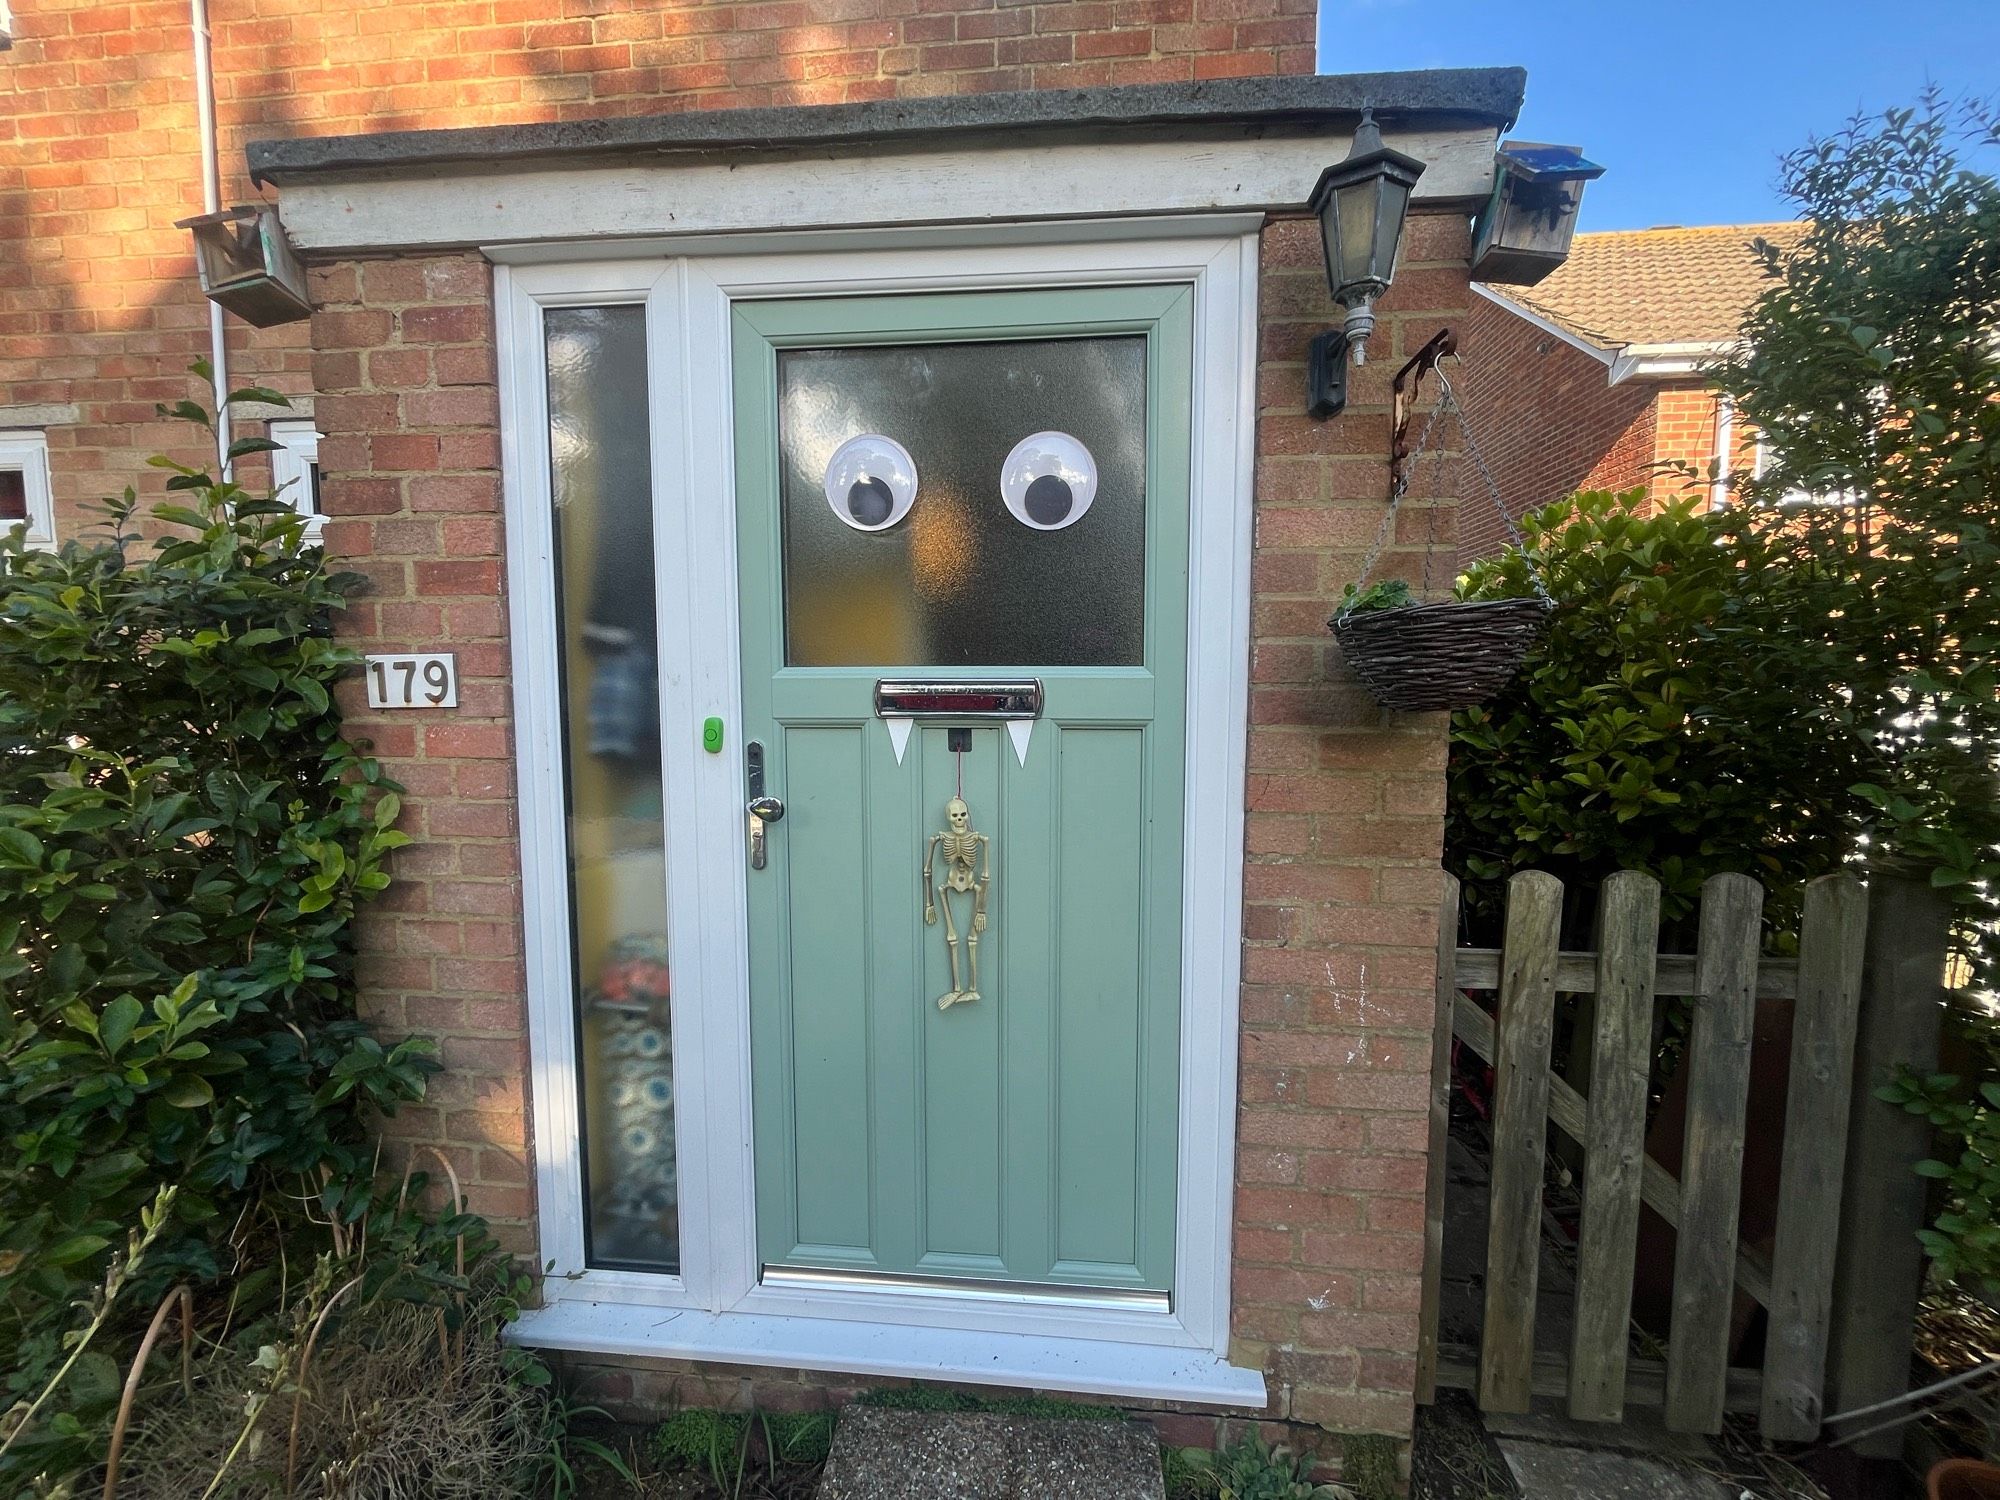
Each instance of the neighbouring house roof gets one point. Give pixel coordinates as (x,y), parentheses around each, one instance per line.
(1657,287)
(1669,288)
(1489,97)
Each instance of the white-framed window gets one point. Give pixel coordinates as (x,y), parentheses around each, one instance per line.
(26,496)
(295,471)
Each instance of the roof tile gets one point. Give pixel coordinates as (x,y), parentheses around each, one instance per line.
(1670,285)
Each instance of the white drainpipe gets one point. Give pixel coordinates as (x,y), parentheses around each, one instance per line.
(1725,439)
(211,200)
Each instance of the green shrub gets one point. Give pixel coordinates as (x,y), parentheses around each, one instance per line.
(1669,720)
(702,1441)
(730,1449)
(799,1438)
(1964,1240)
(1253,1470)
(1870,366)
(184,839)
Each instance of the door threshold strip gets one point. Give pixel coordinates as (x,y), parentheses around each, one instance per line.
(831,1278)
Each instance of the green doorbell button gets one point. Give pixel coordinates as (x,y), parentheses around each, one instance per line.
(711,736)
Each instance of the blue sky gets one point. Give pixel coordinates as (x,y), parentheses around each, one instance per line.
(1688,103)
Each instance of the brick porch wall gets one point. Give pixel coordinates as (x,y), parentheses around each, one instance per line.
(1345,829)
(404,366)
(1344,823)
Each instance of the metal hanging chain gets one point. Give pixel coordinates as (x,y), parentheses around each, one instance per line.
(1493,488)
(1447,400)
(1437,487)
(1388,526)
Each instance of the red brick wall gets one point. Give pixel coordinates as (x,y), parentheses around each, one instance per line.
(1685,434)
(403,362)
(1547,422)
(99,152)
(1345,827)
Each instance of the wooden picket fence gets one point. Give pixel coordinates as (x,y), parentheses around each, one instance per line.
(1724,978)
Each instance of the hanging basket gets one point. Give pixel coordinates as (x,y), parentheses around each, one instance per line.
(1416,658)
(1419,657)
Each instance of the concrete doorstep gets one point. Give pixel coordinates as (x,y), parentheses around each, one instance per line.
(883,1454)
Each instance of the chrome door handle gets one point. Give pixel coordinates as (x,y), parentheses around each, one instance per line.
(763,810)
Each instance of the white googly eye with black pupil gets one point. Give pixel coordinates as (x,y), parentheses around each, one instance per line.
(871,482)
(1049,481)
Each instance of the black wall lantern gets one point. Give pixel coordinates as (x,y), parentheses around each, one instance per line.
(1360,203)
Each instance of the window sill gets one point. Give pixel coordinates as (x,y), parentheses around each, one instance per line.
(1099,1367)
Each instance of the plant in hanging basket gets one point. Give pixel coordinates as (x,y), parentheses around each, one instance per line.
(1390,593)
(1418,657)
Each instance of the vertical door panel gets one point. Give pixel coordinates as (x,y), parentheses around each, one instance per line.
(1100,865)
(964,1135)
(831,917)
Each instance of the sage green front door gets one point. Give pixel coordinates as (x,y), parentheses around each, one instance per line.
(960,488)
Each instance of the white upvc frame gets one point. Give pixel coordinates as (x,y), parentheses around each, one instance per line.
(717,1309)
(292,465)
(27,452)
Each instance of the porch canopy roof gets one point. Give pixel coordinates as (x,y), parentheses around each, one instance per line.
(1240,144)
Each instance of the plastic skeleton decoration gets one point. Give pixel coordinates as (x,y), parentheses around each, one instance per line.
(961,846)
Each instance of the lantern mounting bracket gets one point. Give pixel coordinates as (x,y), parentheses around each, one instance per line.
(1403,390)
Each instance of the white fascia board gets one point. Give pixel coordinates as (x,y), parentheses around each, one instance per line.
(1597,352)
(901,240)
(1664,361)
(892,1350)
(683,196)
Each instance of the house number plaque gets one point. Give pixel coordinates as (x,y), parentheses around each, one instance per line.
(421,681)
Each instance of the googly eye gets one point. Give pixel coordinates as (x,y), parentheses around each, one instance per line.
(870,482)
(1049,481)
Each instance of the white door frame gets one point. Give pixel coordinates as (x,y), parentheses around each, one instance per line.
(716,1308)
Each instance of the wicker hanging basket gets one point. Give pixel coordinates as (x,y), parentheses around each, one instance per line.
(1417,658)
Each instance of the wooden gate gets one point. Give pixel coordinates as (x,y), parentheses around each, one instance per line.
(1723,979)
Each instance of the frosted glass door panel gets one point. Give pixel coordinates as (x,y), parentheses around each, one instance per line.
(961,579)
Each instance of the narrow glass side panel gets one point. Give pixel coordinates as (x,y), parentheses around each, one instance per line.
(602,485)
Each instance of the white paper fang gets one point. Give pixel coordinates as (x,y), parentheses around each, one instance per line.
(898,726)
(1018,731)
